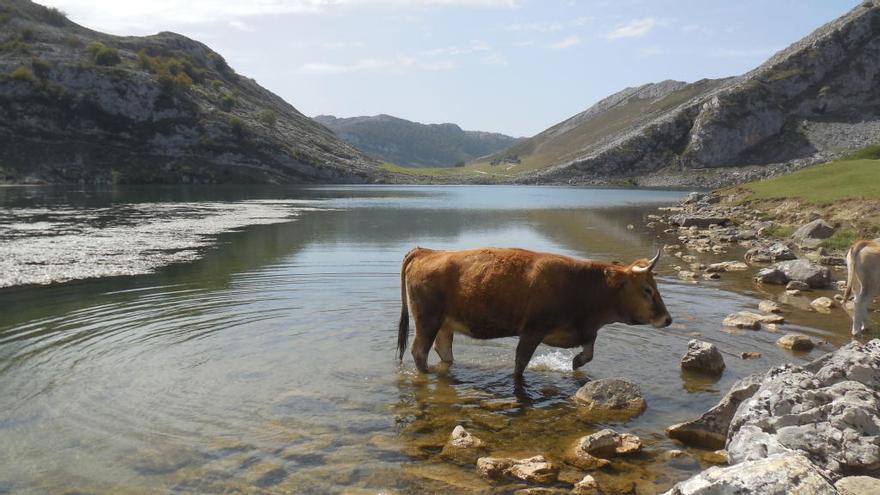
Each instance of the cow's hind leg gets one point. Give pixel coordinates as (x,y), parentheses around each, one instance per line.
(586,354)
(860,313)
(426,331)
(443,343)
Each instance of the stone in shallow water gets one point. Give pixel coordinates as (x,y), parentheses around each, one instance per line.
(533,469)
(710,429)
(608,443)
(769,307)
(586,486)
(703,357)
(727,266)
(822,304)
(743,319)
(611,397)
(780,475)
(795,342)
(462,447)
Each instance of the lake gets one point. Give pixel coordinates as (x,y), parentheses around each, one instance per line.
(262,359)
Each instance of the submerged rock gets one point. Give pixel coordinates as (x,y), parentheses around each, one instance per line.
(769,307)
(463,447)
(710,430)
(797,285)
(611,397)
(533,469)
(727,266)
(703,357)
(771,276)
(822,304)
(744,319)
(780,475)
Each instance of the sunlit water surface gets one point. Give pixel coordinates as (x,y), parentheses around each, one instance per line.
(267,366)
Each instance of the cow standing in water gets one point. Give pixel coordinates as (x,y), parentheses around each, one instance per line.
(863,279)
(539,297)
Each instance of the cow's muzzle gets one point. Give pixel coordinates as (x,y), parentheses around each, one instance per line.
(662,321)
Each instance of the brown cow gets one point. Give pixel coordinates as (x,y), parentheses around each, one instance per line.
(863,279)
(539,297)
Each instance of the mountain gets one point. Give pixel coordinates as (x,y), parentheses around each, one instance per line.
(412,144)
(812,100)
(81,106)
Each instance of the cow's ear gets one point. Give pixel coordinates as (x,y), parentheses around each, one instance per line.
(615,278)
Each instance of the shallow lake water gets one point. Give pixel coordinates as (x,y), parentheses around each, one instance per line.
(267,364)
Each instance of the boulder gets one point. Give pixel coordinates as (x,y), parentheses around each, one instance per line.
(750,355)
(608,443)
(827,410)
(743,319)
(817,229)
(817,277)
(693,197)
(710,430)
(769,307)
(727,266)
(795,342)
(462,447)
(771,275)
(611,397)
(822,304)
(858,485)
(688,220)
(797,285)
(703,357)
(766,254)
(586,486)
(533,469)
(778,475)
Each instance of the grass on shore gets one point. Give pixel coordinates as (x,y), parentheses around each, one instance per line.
(824,184)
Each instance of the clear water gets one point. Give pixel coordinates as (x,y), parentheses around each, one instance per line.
(267,365)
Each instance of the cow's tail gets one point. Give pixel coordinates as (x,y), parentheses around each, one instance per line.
(403,326)
(852,276)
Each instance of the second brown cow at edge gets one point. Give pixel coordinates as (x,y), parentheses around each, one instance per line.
(539,297)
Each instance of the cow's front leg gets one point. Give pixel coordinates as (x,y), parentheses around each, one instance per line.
(524,351)
(586,354)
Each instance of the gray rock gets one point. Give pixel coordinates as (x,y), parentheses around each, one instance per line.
(744,319)
(771,275)
(769,307)
(827,410)
(778,475)
(858,485)
(586,486)
(774,252)
(693,197)
(817,229)
(727,266)
(703,357)
(822,304)
(689,220)
(611,397)
(817,277)
(608,443)
(797,285)
(710,430)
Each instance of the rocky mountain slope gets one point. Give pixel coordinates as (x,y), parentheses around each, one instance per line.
(816,98)
(411,144)
(81,106)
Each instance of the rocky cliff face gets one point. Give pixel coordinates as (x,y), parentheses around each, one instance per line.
(81,106)
(412,144)
(817,97)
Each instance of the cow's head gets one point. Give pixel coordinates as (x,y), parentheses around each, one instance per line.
(639,301)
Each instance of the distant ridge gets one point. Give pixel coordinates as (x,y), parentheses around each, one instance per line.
(411,144)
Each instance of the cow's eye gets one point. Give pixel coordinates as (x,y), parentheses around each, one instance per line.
(649,292)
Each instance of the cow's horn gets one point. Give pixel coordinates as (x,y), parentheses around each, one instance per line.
(651,265)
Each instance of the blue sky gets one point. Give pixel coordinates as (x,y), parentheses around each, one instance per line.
(512,66)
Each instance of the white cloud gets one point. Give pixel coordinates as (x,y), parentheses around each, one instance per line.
(396,65)
(536,27)
(650,51)
(633,29)
(241,26)
(494,59)
(566,42)
(474,46)
(150,15)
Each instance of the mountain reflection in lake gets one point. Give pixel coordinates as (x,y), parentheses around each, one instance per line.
(268,365)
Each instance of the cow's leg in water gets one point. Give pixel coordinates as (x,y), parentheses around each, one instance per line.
(443,343)
(426,330)
(586,354)
(524,351)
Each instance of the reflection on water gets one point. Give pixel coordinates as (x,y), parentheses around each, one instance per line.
(268,365)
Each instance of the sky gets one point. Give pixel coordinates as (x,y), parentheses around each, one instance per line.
(511,66)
